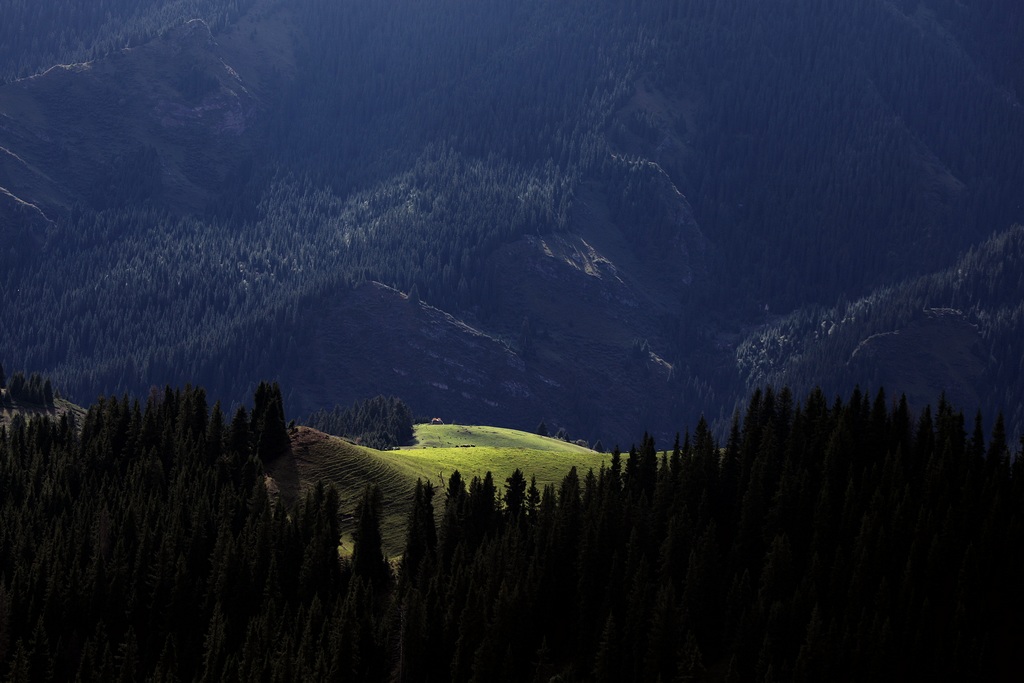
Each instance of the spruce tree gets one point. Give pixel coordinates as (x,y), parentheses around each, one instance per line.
(452,529)
(607,662)
(368,561)
(239,442)
(421,535)
(998,452)
(532,501)
(269,425)
(16,390)
(215,434)
(515,495)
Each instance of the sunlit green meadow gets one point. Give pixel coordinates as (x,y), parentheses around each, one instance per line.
(439,451)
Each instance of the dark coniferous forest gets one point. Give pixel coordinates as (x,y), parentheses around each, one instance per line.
(841,539)
(380,422)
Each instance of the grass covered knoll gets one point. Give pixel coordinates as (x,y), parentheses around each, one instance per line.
(447,436)
(439,451)
(476,450)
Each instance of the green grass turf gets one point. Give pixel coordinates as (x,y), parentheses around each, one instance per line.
(440,450)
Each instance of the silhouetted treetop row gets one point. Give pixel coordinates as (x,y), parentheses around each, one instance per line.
(380,422)
(842,539)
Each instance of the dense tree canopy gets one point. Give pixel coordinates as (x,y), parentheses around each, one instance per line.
(146,546)
(826,540)
(380,422)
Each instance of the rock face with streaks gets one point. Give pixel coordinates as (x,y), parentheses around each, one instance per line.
(166,121)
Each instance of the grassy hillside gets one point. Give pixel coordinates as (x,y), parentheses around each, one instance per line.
(454,436)
(440,450)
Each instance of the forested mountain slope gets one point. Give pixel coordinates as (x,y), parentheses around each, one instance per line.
(952,332)
(37,35)
(590,195)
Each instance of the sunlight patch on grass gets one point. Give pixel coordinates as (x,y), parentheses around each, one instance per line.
(441,450)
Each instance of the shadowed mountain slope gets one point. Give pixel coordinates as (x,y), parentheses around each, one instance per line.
(599,203)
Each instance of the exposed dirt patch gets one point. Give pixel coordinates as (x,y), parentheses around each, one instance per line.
(283,474)
(305,438)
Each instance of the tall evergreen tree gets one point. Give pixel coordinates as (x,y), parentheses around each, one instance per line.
(998,454)
(269,427)
(515,495)
(368,561)
(421,534)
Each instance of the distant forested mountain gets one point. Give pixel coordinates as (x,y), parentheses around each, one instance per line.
(501,210)
(952,332)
